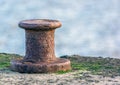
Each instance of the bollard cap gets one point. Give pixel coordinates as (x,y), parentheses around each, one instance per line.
(40,24)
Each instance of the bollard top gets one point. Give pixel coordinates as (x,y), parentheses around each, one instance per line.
(39,24)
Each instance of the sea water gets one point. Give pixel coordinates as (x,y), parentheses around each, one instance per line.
(89,27)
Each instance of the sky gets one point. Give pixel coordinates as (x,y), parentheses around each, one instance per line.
(89,27)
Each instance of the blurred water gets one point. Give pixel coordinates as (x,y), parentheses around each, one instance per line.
(89,27)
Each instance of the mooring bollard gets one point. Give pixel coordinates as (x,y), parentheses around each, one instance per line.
(40,55)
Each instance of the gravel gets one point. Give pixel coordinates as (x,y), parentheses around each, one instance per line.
(8,77)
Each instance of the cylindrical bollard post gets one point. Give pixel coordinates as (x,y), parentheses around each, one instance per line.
(40,55)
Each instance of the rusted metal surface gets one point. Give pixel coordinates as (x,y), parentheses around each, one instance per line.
(40,54)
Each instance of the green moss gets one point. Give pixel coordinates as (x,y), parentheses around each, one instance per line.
(97,65)
(5,59)
(63,72)
(79,66)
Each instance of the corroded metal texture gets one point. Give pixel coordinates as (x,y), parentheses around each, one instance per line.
(39,45)
(40,55)
(41,67)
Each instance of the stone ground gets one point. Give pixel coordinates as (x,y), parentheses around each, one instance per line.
(8,77)
(107,72)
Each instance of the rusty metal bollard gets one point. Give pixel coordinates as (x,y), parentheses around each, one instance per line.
(40,55)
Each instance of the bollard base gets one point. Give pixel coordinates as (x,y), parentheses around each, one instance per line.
(59,64)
